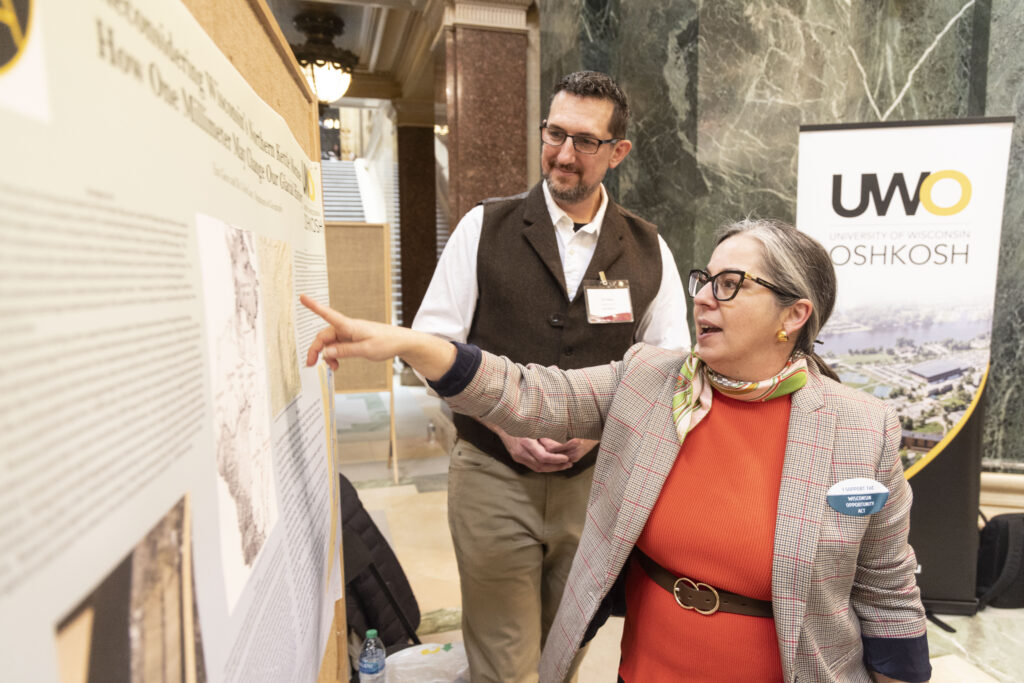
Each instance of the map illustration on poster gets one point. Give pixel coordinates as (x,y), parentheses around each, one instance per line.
(236,345)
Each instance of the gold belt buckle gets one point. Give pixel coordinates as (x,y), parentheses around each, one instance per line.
(697,587)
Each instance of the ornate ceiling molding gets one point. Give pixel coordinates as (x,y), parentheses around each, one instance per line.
(502,15)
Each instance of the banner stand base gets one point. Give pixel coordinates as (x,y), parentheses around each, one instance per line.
(930,616)
(957,607)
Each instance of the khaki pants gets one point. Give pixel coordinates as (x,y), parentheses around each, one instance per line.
(515,536)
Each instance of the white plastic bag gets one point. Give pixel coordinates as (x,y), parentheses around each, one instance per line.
(429,663)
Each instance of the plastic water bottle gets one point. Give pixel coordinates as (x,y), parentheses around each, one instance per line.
(371,659)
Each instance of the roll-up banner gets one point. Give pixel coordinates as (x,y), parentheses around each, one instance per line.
(910,213)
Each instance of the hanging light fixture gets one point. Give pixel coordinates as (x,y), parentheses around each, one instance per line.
(328,69)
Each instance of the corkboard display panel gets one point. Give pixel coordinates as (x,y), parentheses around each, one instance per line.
(359,277)
(248,35)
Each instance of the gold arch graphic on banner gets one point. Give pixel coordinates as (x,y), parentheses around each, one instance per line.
(951,434)
(17,32)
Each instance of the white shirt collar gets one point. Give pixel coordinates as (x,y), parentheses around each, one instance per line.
(560,219)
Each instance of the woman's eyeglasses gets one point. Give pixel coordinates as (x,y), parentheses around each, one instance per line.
(725,285)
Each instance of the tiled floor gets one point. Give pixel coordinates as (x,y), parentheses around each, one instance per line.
(412,514)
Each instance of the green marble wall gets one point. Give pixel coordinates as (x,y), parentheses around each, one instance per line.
(719,90)
(1004,95)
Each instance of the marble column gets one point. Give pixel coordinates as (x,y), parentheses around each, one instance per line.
(417,201)
(486,91)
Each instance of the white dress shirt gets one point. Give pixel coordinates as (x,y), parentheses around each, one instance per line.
(448,306)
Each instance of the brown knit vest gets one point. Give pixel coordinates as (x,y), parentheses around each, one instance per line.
(523,311)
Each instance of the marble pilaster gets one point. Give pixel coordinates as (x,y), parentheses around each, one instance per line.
(560,47)
(719,90)
(661,179)
(733,80)
(661,82)
(417,202)
(767,67)
(486,50)
(1004,428)
(595,24)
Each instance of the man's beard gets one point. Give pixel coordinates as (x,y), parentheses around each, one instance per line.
(570,195)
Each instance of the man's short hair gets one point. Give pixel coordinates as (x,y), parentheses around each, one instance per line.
(601,86)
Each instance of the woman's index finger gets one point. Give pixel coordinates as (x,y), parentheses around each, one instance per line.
(326,312)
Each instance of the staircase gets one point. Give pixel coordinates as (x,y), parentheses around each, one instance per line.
(341,192)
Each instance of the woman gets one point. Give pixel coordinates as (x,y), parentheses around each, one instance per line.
(711,491)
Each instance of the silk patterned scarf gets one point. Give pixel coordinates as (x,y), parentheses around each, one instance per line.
(691,400)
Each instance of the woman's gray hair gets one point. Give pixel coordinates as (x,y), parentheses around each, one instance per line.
(796,263)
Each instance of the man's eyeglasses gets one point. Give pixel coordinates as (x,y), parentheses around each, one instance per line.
(584,144)
(725,285)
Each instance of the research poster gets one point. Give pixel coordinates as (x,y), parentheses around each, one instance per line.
(167,505)
(911,215)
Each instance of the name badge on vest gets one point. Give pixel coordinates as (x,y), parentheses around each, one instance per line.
(607,301)
(857,497)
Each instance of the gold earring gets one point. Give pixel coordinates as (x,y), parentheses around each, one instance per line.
(782,336)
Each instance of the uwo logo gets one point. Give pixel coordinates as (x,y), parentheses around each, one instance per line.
(14,15)
(870,192)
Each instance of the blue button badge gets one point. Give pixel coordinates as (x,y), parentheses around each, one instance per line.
(857,497)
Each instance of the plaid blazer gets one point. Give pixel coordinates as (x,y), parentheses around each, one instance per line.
(835,578)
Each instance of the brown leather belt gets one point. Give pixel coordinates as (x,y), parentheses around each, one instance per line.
(701,597)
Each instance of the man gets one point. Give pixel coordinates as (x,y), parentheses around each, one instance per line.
(559,275)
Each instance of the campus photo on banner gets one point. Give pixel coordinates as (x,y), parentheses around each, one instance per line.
(910,214)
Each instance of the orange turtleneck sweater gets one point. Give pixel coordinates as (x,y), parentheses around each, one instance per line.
(714,522)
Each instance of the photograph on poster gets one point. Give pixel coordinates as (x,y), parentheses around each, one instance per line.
(235,340)
(139,625)
(275,265)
